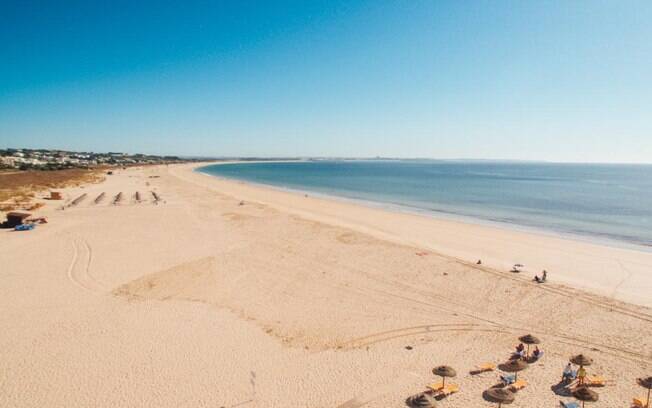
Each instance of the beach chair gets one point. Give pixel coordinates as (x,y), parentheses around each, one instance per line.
(572,404)
(448,390)
(639,402)
(486,367)
(483,368)
(595,381)
(435,387)
(518,385)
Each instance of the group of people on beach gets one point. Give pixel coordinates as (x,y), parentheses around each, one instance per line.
(521,353)
(517,268)
(569,374)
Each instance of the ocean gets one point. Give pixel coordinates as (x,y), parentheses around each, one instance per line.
(605,202)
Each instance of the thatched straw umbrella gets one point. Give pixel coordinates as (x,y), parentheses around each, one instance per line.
(443,372)
(646,383)
(584,394)
(529,339)
(581,360)
(422,400)
(514,366)
(499,395)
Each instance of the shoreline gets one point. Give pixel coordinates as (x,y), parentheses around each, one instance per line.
(604,240)
(617,272)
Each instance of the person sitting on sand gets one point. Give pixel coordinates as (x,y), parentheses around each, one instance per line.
(536,353)
(568,374)
(543,277)
(520,350)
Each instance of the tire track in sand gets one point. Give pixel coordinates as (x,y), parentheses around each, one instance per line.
(79,268)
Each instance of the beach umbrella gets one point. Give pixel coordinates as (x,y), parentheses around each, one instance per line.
(646,383)
(499,396)
(529,339)
(585,395)
(444,371)
(581,360)
(514,366)
(422,400)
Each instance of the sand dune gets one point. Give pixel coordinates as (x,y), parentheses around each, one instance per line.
(287,300)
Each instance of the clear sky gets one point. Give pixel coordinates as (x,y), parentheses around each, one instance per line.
(543,80)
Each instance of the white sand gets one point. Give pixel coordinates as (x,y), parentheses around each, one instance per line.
(293,301)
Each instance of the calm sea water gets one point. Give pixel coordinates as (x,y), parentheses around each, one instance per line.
(606,202)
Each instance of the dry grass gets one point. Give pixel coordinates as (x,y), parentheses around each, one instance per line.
(18,188)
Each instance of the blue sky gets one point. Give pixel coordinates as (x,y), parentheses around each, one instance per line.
(540,80)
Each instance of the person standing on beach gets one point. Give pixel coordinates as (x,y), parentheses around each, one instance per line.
(581,375)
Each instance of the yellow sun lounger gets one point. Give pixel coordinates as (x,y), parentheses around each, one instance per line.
(518,385)
(639,402)
(486,367)
(483,368)
(436,387)
(449,389)
(596,381)
(446,390)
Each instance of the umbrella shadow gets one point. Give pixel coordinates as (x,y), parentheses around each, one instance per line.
(436,396)
(423,399)
(561,389)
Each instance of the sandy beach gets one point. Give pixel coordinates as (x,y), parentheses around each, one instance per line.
(226,294)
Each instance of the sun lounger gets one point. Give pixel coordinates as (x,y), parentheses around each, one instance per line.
(436,387)
(569,404)
(483,368)
(449,389)
(439,389)
(639,402)
(518,385)
(487,367)
(595,381)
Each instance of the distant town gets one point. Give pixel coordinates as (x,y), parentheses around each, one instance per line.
(43,159)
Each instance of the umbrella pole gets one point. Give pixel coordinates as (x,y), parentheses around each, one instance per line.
(527,353)
(648,398)
(443,381)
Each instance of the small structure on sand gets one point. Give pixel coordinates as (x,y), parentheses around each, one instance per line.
(16,218)
(55,195)
(517,268)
